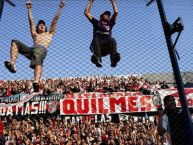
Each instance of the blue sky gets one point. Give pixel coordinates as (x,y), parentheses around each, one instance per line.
(138,32)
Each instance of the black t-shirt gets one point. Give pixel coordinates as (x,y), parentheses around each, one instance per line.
(178,131)
(102,31)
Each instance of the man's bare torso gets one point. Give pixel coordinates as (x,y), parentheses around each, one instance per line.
(43,39)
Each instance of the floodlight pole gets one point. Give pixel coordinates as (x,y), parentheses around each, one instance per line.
(176,70)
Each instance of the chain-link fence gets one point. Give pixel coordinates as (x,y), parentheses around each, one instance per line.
(78,101)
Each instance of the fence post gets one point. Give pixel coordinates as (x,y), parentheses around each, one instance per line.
(176,70)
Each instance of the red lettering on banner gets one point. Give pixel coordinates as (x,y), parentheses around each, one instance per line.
(84,119)
(101,106)
(87,118)
(121,101)
(98,103)
(146,105)
(93,105)
(132,104)
(2,111)
(68,107)
(85,103)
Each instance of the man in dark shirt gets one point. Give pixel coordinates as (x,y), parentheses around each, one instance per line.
(103,43)
(172,123)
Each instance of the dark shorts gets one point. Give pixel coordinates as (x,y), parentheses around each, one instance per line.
(103,48)
(36,54)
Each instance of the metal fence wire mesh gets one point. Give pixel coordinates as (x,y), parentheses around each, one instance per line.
(79,103)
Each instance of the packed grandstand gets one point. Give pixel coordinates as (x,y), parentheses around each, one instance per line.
(93,110)
(83,85)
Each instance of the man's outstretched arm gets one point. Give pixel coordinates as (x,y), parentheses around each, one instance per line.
(30,17)
(55,20)
(87,10)
(115,14)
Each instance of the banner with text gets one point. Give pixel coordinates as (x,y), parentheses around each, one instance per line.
(29,108)
(88,103)
(118,102)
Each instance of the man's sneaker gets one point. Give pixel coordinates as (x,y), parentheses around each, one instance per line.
(96,61)
(115,60)
(11,67)
(113,64)
(36,87)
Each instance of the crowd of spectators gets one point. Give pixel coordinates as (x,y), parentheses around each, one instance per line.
(62,131)
(83,84)
(52,130)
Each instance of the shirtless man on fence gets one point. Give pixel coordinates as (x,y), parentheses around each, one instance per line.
(41,38)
